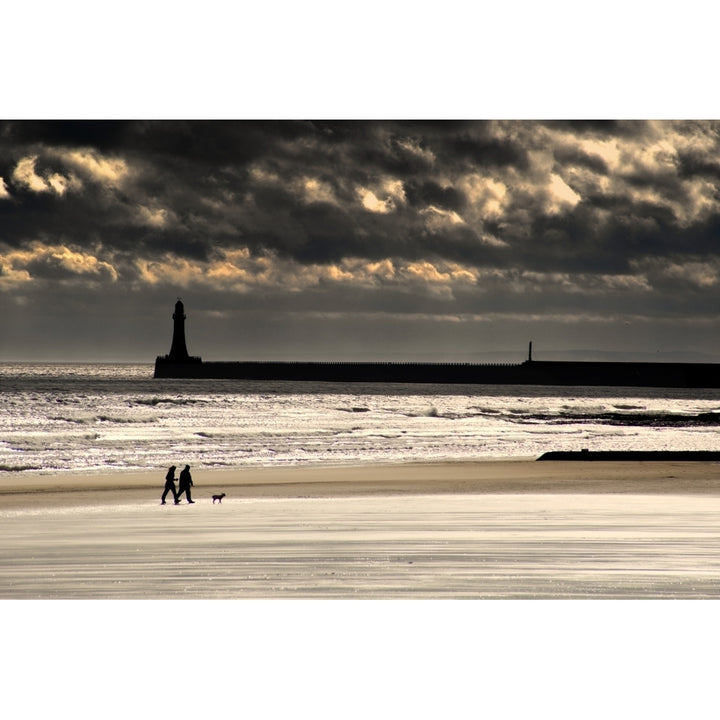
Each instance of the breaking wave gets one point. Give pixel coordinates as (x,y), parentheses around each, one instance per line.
(92,419)
(646,419)
(155,401)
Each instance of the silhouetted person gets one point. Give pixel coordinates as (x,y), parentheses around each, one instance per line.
(185,484)
(170,486)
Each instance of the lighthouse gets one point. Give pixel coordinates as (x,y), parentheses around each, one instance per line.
(178,350)
(177,362)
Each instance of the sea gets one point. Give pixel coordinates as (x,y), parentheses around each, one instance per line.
(114,418)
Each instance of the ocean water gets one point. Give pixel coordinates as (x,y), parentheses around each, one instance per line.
(110,418)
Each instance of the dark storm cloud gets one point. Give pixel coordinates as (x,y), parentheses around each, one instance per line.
(484,152)
(607,128)
(190,187)
(104,135)
(430,193)
(698,165)
(199,141)
(570,156)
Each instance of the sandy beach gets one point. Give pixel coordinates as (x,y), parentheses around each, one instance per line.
(513,529)
(507,477)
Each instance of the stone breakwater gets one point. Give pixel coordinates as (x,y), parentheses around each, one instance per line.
(530,372)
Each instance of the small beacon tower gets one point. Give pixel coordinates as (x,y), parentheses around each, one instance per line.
(178,350)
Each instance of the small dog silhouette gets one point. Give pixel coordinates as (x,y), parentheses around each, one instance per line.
(218,498)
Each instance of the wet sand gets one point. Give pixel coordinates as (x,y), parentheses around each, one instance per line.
(510,476)
(513,529)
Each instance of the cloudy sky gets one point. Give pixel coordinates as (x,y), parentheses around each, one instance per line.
(360,239)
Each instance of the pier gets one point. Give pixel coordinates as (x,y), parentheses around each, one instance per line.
(178,363)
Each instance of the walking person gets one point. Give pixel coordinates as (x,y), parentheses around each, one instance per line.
(185,484)
(170,486)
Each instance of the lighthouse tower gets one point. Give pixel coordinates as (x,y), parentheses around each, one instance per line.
(178,350)
(177,363)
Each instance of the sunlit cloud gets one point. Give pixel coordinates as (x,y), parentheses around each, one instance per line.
(111,171)
(315,190)
(562,195)
(487,196)
(48,263)
(154,217)
(12,274)
(436,218)
(371,202)
(25,174)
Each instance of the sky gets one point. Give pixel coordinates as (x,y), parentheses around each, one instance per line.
(369,239)
(378,235)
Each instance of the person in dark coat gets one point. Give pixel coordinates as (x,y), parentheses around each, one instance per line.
(185,484)
(170,486)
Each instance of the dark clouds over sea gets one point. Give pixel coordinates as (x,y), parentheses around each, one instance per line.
(382,238)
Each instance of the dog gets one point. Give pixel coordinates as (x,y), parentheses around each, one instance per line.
(218,498)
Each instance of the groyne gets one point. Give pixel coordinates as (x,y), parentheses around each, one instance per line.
(633,455)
